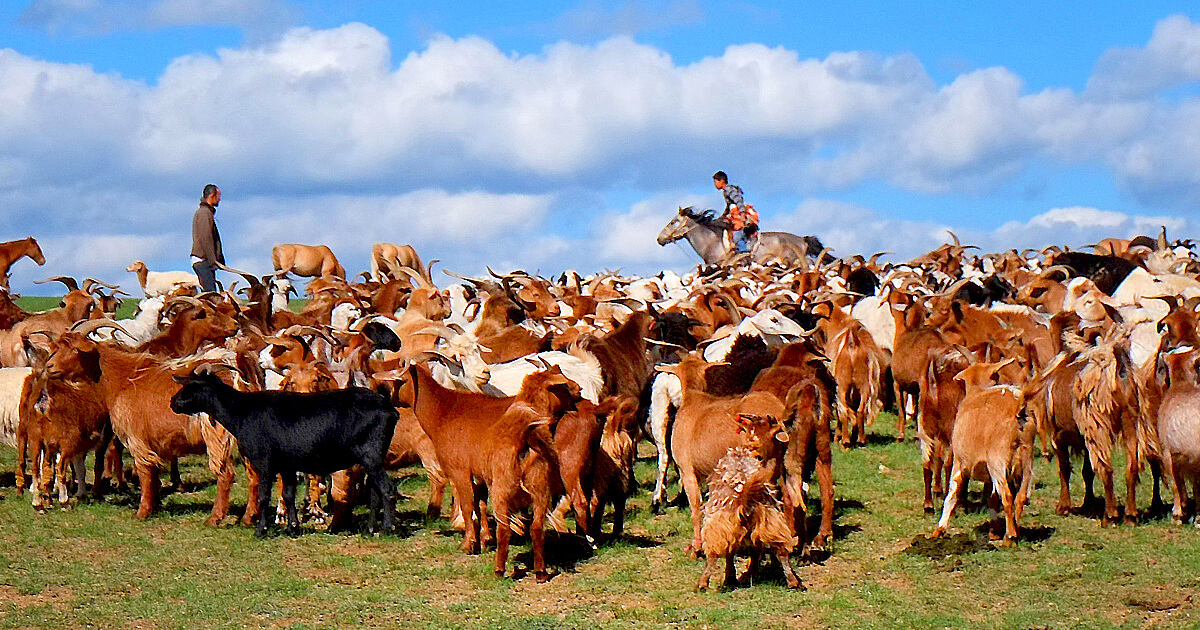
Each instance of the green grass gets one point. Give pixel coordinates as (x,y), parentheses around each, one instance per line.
(95,565)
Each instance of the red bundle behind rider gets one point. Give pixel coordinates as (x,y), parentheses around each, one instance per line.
(739,219)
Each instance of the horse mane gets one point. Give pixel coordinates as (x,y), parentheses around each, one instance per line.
(703,217)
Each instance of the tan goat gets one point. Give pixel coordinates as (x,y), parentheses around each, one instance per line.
(991,440)
(306,260)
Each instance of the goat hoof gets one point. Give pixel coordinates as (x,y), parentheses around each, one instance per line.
(542,577)
(1009,543)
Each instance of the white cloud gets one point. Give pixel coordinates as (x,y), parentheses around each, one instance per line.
(472,153)
(1171,58)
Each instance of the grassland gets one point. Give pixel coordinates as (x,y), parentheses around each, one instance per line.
(94,565)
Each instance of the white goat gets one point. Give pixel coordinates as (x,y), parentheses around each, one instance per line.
(12,382)
(579,366)
(143,327)
(156,283)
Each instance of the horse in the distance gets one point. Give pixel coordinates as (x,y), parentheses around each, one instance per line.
(12,250)
(783,248)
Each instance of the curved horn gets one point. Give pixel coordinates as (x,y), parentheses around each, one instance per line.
(300,329)
(94,281)
(421,280)
(66,280)
(88,326)
(251,278)
(211,367)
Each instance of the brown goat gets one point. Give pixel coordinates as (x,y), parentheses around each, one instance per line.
(705,429)
(743,509)
(479,437)
(137,389)
(991,440)
(306,260)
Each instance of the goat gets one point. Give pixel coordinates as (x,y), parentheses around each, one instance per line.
(743,508)
(306,260)
(286,432)
(136,389)
(991,440)
(1179,429)
(385,257)
(158,283)
(482,437)
(705,430)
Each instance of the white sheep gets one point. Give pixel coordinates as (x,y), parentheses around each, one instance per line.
(156,283)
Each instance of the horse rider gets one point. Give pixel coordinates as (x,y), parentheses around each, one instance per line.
(739,219)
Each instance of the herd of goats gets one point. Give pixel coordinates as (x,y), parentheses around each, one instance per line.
(531,393)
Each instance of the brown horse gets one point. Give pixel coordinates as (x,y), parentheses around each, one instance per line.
(12,250)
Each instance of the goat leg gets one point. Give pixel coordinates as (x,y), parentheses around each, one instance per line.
(266,479)
(1132,468)
(956,479)
(148,479)
(98,464)
(250,517)
(288,496)
(381,486)
(1178,487)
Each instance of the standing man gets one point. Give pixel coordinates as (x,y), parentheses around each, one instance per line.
(206,241)
(740,220)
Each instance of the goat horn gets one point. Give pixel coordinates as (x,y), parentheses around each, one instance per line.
(88,326)
(70,282)
(251,278)
(211,367)
(445,332)
(414,274)
(1052,268)
(101,283)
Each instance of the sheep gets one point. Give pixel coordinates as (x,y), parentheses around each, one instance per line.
(306,260)
(991,440)
(743,508)
(159,283)
(286,432)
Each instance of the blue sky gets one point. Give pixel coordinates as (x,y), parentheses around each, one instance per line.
(556,135)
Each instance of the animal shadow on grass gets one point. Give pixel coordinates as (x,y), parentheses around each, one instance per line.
(563,553)
(877,439)
(841,507)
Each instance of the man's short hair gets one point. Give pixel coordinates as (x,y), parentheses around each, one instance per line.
(720,175)
(208,190)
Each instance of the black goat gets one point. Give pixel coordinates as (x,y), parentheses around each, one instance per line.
(287,432)
(1106,271)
